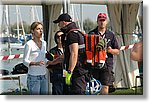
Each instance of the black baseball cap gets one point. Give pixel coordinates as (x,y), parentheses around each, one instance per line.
(63,17)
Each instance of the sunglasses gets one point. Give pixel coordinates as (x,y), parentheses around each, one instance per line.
(102,20)
(58,36)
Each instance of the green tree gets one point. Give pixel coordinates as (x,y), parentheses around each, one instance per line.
(14,28)
(88,25)
(108,26)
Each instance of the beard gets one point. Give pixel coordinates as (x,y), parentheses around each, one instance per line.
(101,27)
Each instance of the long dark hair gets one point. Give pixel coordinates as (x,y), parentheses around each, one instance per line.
(55,36)
(62,37)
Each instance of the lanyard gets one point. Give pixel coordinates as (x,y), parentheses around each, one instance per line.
(102,36)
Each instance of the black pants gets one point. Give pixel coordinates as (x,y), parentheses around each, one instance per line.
(58,82)
(79,82)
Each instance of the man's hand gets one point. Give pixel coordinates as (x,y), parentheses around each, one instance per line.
(39,63)
(113,51)
(109,49)
(68,78)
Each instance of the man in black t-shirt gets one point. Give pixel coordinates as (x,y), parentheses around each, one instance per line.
(104,75)
(74,55)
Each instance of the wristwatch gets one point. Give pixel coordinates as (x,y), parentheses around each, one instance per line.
(69,72)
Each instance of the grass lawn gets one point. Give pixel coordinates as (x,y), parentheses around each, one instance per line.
(128,91)
(117,92)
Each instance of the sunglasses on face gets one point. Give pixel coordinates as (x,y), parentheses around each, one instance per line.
(102,20)
(58,36)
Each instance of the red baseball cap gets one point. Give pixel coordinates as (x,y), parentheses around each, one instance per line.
(102,16)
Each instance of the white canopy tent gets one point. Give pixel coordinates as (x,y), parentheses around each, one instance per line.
(123,19)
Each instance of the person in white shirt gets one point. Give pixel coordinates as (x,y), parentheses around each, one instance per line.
(34,58)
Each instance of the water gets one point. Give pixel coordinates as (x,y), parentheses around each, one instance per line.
(11,85)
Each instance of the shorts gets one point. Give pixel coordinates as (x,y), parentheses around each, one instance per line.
(105,76)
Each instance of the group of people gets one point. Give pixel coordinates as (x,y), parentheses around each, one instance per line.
(69,55)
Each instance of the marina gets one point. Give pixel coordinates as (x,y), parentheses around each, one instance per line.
(12,39)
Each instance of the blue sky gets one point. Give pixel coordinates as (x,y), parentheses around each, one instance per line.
(89,11)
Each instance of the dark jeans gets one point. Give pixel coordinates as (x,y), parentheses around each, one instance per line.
(58,88)
(58,82)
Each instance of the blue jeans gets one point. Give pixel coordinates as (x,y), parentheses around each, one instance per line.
(37,85)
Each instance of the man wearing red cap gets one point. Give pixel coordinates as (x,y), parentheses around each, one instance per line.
(104,75)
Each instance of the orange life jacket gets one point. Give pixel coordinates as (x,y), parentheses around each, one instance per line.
(94,57)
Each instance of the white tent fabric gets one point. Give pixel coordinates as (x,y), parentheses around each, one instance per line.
(123,19)
(54,10)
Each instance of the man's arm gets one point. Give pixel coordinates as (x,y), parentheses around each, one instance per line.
(73,56)
(113,51)
(56,61)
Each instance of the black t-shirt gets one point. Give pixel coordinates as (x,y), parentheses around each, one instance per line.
(56,52)
(75,37)
(70,38)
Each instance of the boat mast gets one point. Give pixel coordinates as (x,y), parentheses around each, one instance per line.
(81,17)
(68,8)
(1,13)
(66,4)
(37,16)
(17,13)
(22,25)
(34,14)
(6,22)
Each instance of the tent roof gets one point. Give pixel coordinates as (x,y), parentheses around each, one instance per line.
(48,2)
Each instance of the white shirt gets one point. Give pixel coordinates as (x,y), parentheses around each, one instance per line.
(32,53)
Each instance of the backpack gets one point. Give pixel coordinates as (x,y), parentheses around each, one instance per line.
(95,49)
(20,69)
